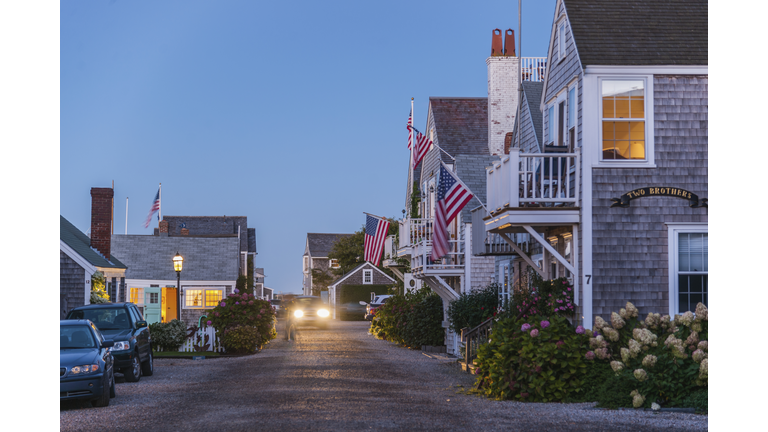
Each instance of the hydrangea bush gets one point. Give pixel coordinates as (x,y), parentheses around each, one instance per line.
(471,309)
(243,310)
(543,297)
(535,359)
(664,359)
(168,336)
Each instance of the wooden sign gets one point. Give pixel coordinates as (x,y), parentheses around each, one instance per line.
(693,199)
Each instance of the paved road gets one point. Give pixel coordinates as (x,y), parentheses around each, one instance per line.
(339,379)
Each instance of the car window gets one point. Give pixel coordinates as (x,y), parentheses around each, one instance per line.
(135,314)
(76,336)
(98,333)
(105,319)
(308,302)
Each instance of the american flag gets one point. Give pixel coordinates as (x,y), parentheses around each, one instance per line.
(375,233)
(452,196)
(422,143)
(155,207)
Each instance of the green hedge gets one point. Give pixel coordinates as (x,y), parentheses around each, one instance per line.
(357,293)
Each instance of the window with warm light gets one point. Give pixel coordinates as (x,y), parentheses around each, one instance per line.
(202,298)
(623,114)
(137,296)
(335,263)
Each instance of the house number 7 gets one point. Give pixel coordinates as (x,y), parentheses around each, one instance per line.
(589,277)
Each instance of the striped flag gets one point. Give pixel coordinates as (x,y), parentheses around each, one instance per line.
(452,196)
(155,207)
(422,143)
(375,233)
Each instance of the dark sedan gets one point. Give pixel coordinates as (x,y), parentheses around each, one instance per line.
(124,324)
(308,311)
(86,363)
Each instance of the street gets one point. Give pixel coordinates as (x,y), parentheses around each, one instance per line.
(338,379)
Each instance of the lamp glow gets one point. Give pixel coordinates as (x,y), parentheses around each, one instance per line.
(178,262)
(298,314)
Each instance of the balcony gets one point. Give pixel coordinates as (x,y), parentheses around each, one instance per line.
(486,243)
(533,68)
(390,252)
(533,189)
(416,243)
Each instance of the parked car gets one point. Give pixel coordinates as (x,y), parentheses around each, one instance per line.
(376,303)
(308,311)
(86,365)
(351,311)
(278,305)
(123,324)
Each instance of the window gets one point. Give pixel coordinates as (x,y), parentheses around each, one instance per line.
(335,263)
(623,119)
(561,41)
(688,267)
(202,298)
(368,277)
(137,296)
(572,118)
(306,264)
(551,126)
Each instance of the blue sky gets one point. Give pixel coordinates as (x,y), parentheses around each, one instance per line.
(290,113)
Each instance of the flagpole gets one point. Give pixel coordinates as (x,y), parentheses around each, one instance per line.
(160,206)
(410,163)
(126,215)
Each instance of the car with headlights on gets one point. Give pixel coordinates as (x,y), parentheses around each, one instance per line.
(308,311)
(86,365)
(124,324)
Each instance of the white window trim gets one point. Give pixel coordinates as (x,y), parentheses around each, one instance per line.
(331,263)
(561,52)
(203,288)
(573,86)
(368,272)
(592,120)
(673,229)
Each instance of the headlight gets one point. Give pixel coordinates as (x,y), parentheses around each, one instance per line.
(84,369)
(323,313)
(298,314)
(121,346)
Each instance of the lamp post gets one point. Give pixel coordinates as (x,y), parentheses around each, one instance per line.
(178,261)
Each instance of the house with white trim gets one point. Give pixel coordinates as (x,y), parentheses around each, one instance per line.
(316,250)
(616,195)
(357,285)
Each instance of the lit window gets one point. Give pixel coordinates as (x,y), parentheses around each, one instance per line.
(137,296)
(203,298)
(623,119)
(193,298)
(368,277)
(212,298)
(335,264)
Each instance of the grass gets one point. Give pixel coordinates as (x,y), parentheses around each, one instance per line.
(159,354)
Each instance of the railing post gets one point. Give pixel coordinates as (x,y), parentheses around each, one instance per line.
(577,175)
(514,180)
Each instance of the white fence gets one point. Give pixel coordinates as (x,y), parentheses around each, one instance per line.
(199,338)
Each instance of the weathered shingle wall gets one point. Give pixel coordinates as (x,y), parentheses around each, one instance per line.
(71,284)
(629,250)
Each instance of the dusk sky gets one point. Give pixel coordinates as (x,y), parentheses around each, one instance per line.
(290,113)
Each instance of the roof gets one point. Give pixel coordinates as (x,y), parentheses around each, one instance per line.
(354,270)
(81,243)
(214,225)
(320,245)
(532,94)
(461,124)
(647,32)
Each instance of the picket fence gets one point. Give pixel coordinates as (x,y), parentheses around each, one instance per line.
(199,339)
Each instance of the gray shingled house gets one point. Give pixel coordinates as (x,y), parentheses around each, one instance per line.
(215,251)
(78,261)
(357,285)
(316,250)
(621,179)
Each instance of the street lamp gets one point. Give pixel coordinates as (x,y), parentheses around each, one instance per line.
(178,262)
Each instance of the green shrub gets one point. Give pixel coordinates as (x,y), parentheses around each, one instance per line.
(243,309)
(616,391)
(241,339)
(595,377)
(543,297)
(413,319)
(697,399)
(168,336)
(535,359)
(472,308)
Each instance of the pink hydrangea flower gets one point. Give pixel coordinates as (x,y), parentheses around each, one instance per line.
(258,316)
(525,327)
(223,304)
(589,355)
(237,303)
(209,323)
(534,333)
(580,330)
(261,311)
(544,324)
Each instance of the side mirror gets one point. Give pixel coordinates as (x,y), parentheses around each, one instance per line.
(140,324)
(108,344)
(363,303)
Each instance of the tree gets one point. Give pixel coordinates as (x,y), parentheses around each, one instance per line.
(320,281)
(99,292)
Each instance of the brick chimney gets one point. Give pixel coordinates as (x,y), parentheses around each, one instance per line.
(163,227)
(101,220)
(185,231)
(503,81)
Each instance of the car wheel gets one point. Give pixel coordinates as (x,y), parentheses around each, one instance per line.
(147,368)
(133,373)
(103,400)
(112,386)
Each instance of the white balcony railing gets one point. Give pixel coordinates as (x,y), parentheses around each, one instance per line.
(533,179)
(416,241)
(533,68)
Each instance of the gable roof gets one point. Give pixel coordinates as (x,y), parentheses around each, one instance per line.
(81,244)
(532,91)
(356,269)
(214,225)
(647,32)
(461,124)
(320,245)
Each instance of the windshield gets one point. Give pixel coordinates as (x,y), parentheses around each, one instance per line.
(105,319)
(76,336)
(307,303)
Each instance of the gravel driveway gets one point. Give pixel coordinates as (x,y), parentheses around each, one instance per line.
(338,379)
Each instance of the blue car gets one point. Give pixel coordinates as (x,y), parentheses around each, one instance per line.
(87,371)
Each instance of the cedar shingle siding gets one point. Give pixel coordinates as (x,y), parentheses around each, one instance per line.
(630,251)
(71,284)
